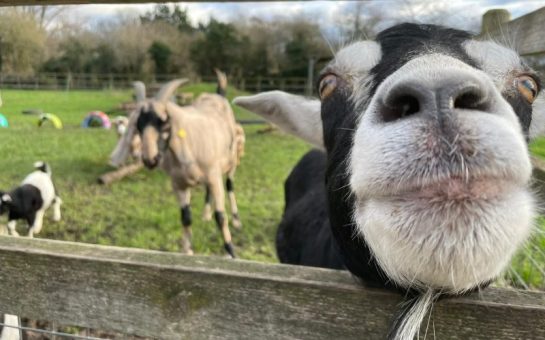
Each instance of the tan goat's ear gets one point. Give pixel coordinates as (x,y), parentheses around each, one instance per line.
(139,91)
(169,88)
(537,127)
(293,114)
(123,147)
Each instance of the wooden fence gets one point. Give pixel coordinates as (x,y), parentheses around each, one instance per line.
(172,296)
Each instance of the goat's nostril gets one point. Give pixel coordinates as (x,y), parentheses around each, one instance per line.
(471,100)
(399,107)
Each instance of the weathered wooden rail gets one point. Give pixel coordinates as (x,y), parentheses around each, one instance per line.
(172,296)
(79,2)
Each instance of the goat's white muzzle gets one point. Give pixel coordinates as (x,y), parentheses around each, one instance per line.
(440,170)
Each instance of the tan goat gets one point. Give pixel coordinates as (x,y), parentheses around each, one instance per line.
(194,144)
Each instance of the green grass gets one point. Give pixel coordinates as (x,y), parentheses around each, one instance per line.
(538,148)
(139,211)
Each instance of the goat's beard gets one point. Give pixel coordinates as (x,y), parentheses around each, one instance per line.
(435,238)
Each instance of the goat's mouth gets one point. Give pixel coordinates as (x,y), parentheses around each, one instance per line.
(454,189)
(151,163)
(453,234)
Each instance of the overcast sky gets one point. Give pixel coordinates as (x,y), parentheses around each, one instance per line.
(327,13)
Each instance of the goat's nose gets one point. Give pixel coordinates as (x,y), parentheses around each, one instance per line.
(409,97)
(150,163)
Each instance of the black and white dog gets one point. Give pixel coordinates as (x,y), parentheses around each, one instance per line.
(424,183)
(30,200)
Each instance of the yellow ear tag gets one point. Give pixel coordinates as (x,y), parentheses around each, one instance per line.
(182,133)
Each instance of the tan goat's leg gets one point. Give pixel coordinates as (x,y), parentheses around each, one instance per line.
(233,202)
(216,188)
(184,198)
(207,211)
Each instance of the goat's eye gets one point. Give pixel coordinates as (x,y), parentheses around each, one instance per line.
(527,87)
(328,84)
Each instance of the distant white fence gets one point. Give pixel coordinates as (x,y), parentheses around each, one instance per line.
(91,81)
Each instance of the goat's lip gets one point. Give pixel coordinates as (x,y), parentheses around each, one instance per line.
(456,188)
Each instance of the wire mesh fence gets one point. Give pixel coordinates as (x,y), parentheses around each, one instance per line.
(13,327)
(89,81)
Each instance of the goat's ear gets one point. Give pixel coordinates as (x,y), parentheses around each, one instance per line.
(537,127)
(139,91)
(122,149)
(296,115)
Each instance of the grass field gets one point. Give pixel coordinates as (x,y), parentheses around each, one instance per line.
(141,211)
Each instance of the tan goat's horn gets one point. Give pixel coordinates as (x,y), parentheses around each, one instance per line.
(139,91)
(222,78)
(168,89)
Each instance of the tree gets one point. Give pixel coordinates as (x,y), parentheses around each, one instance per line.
(363,22)
(76,53)
(296,56)
(130,41)
(177,17)
(302,43)
(262,47)
(219,46)
(160,54)
(44,15)
(22,42)
(104,59)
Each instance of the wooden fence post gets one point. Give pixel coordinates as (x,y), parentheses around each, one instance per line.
(68,81)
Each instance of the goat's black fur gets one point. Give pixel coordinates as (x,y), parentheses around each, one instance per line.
(305,225)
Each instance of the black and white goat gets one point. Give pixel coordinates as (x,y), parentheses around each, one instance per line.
(30,200)
(423,185)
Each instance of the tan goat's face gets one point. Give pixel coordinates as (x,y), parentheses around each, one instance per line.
(154,129)
(150,121)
